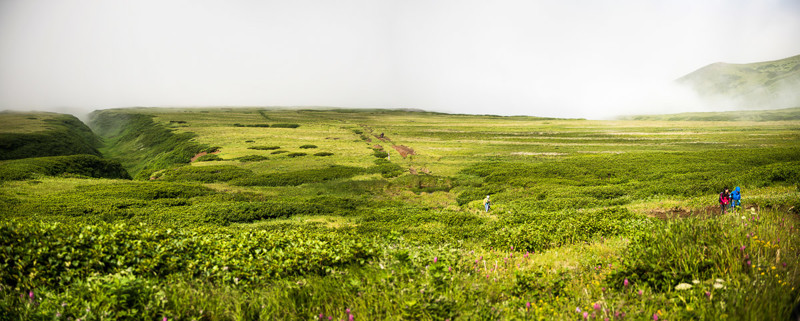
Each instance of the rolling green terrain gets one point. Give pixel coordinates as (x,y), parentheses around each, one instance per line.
(285,214)
(761,85)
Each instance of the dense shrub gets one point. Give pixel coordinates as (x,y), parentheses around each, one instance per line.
(252,158)
(308,146)
(323,154)
(380,154)
(250,125)
(387,168)
(280,152)
(39,255)
(282,125)
(296,154)
(83,165)
(209,158)
(264,147)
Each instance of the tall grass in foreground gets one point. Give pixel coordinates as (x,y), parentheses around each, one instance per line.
(740,266)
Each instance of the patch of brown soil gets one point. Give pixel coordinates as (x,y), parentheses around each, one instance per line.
(412,171)
(676,212)
(404,150)
(201,154)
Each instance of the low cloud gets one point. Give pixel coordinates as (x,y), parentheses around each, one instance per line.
(585,59)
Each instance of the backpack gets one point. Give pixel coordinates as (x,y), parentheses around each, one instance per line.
(723,198)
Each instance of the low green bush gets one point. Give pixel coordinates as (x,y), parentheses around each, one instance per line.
(209,158)
(264,147)
(282,125)
(296,154)
(279,152)
(323,154)
(252,158)
(308,146)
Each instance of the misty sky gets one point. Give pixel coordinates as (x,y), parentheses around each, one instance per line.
(568,58)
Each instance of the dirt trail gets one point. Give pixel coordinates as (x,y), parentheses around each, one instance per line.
(201,154)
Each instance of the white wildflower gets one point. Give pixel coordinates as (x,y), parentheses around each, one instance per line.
(683,286)
(718,286)
(719,281)
(695,281)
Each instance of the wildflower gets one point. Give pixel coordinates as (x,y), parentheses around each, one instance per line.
(435,259)
(165,319)
(596,306)
(321,316)
(655,316)
(58,314)
(528,305)
(719,281)
(449,269)
(585,315)
(330,318)
(626,283)
(742,248)
(708,294)
(720,286)
(63,304)
(784,264)
(695,281)
(578,309)
(641,292)
(512,247)
(683,286)
(350,318)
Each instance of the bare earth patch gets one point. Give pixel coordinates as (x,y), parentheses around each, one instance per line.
(404,150)
(201,154)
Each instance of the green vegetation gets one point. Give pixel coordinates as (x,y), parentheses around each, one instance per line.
(741,115)
(80,165)
(141,145)
(589,219)
(264,147)
(308,146)
(24,135)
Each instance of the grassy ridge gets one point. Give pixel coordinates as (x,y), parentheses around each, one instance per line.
(80,165)
(740,115)
(140,144)
(24,135)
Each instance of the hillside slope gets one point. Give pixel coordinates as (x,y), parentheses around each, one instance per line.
(761,85)
(741,115)
(39,134)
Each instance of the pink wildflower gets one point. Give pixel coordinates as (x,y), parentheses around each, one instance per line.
(655,316)
(585,315)
(626,283)
(596,306)
(435,259)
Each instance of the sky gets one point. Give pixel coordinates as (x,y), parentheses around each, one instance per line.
(570,58)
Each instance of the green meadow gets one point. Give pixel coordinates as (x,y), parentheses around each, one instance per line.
(354,214)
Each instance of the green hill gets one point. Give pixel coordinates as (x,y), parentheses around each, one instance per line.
(39,134)
(761,85)
(743,115)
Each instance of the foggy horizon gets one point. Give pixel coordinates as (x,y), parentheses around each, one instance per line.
(572,59)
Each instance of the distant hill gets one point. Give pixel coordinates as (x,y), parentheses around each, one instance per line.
(761,85)
(741,115)
(39,134)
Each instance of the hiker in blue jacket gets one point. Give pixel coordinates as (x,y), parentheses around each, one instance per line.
(736,198)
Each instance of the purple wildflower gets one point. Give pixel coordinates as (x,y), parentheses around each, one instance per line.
(626,283)
(578,309)
(708,294)
(30,294)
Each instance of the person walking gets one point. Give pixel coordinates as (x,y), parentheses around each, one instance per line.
(724,199)
(736,198)
(487,203)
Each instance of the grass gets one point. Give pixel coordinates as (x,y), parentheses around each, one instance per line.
(578,207)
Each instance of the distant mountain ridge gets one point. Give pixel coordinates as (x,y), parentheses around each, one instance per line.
(761,85)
